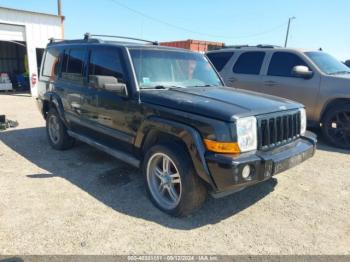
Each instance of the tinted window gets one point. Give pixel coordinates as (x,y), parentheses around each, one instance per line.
(219,60)
(51,64)
(282,64)
(249,63)
(106,62)
(73,65)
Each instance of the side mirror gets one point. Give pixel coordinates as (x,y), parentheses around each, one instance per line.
(109,83)
(302,72)
(347,63)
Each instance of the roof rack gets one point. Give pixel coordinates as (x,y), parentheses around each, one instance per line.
(251,46)
(269,46)
(87,36)
(54,40)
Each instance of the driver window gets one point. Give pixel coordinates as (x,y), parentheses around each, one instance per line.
(282,64)
(105,62)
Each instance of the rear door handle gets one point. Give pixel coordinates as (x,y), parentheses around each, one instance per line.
(270,83)
(76,107)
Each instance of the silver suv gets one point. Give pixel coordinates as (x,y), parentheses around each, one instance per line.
(313,78)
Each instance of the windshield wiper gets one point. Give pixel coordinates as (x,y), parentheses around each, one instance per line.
(163,87)
(340,72)
(204,85)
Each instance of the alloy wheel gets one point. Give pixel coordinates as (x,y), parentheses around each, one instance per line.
(54,129)
(338,128)
(164,180)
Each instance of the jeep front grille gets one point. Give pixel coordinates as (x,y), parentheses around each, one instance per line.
(278,129)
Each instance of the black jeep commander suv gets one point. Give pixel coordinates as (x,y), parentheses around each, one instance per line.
(167,111)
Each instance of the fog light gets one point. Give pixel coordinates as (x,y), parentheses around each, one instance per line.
(246,172)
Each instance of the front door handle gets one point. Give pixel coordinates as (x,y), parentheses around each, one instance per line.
(232,79)
(270,83)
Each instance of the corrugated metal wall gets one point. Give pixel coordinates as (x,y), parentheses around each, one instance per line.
(37,29)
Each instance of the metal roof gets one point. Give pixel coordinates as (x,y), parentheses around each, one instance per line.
(27,11)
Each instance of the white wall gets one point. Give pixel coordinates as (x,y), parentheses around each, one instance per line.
(38,29)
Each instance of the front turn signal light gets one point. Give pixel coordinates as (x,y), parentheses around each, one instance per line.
(222,147)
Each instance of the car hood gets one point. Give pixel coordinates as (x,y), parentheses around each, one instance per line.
(217,102)
(336,86)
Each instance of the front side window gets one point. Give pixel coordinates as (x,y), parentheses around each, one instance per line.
(249,63)
(106,62)
(73,65)
(327,63)
(51,63)
(282,64)
(164,68)
(220,59)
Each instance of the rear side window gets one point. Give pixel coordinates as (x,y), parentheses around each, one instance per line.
(106,62)
(51,63)
(73,65)
(249,63)
(220,59)
(282,64)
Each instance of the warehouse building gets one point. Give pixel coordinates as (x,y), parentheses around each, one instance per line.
(23,37)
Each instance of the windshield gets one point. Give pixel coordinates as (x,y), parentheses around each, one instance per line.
(169,69)
(327,63)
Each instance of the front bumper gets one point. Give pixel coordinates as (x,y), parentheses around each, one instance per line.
(226,170)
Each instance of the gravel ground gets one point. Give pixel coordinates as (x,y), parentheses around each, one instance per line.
(83,201)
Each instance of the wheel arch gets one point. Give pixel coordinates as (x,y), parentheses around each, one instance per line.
(52,100)
(331,103)
(155,130)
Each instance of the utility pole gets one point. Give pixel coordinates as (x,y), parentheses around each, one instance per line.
(289,20)
(59,8)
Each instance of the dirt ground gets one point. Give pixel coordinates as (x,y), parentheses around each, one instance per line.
(83,201)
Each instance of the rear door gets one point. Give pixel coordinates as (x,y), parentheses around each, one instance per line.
(245,72)
(279,80)
(71,84)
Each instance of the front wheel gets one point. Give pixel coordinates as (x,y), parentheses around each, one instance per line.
(171,181)
(336,126)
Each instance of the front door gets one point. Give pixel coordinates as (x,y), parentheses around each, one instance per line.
(279,80)
(109,114)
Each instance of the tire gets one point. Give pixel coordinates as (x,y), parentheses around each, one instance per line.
(58,139)
(190,189)
(336,126)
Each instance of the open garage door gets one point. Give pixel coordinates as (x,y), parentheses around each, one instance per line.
(12,32)
(13,58)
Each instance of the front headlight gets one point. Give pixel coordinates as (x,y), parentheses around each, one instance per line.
(303,121)
(247,133)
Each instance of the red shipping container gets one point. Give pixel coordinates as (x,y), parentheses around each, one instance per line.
(194,45)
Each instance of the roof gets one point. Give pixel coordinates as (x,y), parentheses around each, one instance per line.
(258,48)
(194,42)
(116,43)
(30,12)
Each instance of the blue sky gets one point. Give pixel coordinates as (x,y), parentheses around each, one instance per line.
(323,24)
